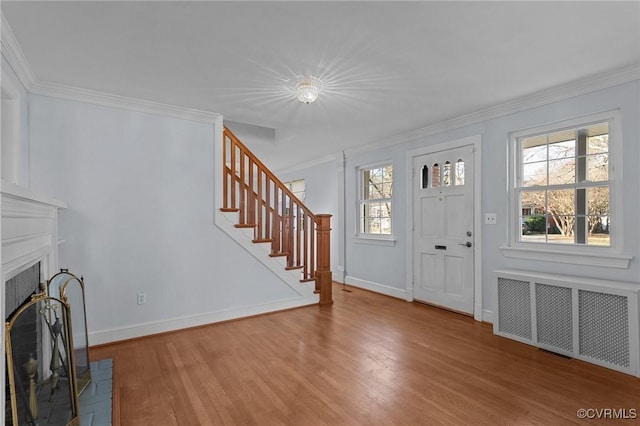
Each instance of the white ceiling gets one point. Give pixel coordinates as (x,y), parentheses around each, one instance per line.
(388,67)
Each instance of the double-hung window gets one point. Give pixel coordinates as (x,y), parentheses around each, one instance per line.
(563,185)
(376,190)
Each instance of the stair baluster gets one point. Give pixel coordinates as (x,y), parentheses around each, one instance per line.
(277,216)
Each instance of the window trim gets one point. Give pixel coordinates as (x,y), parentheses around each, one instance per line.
(365,237)
(610,256)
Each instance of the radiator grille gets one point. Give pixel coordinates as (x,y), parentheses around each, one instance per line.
(514,307)
(604,329)
(554,316)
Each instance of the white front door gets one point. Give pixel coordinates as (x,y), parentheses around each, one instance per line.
(443,232)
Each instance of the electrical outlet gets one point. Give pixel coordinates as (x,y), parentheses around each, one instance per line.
(142,298)
(490,219)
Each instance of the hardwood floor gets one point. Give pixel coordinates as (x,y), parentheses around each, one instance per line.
(366,360)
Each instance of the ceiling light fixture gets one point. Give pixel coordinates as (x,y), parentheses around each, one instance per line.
(307,90)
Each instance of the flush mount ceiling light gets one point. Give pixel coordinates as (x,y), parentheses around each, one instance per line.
(307,90)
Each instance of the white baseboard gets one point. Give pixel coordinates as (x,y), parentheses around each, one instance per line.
(149,328)
(376,287)
(487,316)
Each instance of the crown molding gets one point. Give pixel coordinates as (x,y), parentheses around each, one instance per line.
(561,92)
(14,55)
(78,94)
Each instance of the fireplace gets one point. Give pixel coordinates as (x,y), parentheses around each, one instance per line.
(18,291)
(29,235)
(40,365)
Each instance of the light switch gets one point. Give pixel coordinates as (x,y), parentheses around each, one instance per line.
(490,219)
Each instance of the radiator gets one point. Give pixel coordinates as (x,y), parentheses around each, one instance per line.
(592,320)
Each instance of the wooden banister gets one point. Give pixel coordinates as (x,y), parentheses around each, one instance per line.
(276,215)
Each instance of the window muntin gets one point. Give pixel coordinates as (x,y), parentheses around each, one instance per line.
(376,193)
(563,186)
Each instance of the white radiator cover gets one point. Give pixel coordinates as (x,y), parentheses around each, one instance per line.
(588,319)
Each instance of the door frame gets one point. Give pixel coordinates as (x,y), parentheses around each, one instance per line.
(476,142)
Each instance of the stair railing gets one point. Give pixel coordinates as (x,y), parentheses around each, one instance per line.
(276,215)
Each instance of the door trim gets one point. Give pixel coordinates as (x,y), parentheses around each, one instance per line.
(476,142)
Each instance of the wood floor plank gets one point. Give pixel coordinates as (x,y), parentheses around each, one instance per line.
(366,360)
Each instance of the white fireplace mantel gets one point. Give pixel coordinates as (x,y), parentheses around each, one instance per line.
(29,230)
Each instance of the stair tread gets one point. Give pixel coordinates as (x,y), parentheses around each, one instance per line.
(245,225)
(262,240)
(278,254)
(229,210)
(291,268)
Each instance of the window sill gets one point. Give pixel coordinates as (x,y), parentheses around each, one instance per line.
(388,241)
(604,260)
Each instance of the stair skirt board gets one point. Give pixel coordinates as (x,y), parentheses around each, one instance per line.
(277,264)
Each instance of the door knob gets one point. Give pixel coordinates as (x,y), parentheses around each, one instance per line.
(467,244)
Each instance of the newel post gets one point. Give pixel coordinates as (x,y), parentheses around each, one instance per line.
(324,279)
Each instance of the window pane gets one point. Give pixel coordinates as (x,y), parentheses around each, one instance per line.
(374,209)
(368,191)
(561,229)
(534,228)
(561,209)
(435,181)
(598,167)
(534,174)
(388,189)
(376,176)
(562,171)
(561,201)
(446,174)
(387,174)
(598,144)
(599,230)
(599,216)
(385,210)
(534,149)
(532,203)
(565,149)
(598,200)
(374,225)
(533,221)
(425,177)
(385,225)
(459,173)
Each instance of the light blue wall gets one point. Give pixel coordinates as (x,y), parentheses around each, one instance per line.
(139,189)
(321,185)
(386,266)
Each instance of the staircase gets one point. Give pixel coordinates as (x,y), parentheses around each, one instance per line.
(279,225)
